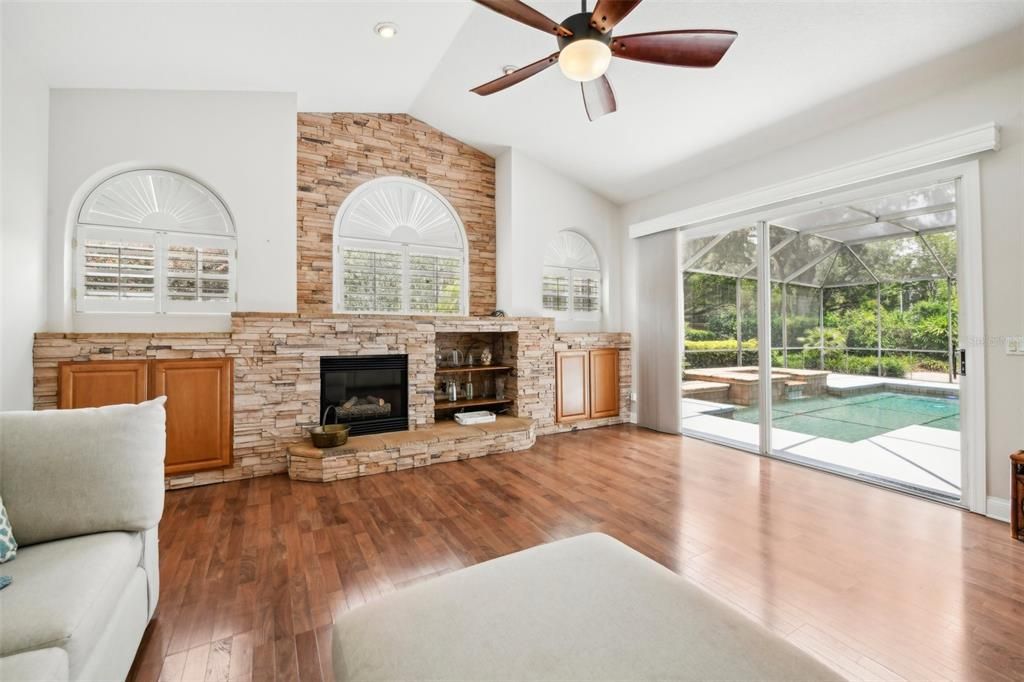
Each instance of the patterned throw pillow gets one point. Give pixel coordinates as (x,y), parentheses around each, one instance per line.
(8,545)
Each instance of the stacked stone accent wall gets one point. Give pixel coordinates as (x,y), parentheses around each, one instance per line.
(340,151)
(277,371)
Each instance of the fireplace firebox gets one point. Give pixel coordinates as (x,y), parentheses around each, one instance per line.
(370,393)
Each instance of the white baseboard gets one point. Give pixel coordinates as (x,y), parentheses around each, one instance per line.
(998,508)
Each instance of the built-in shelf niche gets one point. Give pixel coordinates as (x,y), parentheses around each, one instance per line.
(484,378)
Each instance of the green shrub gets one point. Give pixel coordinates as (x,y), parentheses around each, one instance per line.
(798,359)
(931,364)
(851,364)
(895,366)
(827,337)
(691,334)
(721,353)
(727,344)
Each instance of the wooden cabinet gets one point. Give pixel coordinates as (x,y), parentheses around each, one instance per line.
(604,383)
(586,384)
(199,412)
(572,381)
(200,402)
(95,384)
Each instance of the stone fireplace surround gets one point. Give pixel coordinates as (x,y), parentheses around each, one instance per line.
(277,366)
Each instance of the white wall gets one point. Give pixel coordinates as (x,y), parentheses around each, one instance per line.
(533,204)
(241,144)
(23,141)
(995,96)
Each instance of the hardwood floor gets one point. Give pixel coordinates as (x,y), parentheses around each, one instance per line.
(877,584)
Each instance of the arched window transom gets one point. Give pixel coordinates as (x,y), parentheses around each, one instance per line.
(400,248)
(572,278)
(154,241)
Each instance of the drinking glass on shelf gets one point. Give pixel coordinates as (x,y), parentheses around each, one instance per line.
(499,388)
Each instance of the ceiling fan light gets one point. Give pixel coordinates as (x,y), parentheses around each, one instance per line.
(584,60)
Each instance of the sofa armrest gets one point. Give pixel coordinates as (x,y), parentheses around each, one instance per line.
(72,472)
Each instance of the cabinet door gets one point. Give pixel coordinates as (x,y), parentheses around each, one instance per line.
(572,386)
(199,412)
(604,383)
(101,382)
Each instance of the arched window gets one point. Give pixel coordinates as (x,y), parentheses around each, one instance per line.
(154,241)
(572,278)
(400,248)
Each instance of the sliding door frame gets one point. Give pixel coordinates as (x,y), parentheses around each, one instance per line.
(764,337)
(967,176)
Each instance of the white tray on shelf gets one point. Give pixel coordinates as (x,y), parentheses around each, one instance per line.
(478,417)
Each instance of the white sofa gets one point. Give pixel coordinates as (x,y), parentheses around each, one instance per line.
(84,491)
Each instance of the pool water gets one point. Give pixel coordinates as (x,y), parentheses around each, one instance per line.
(859,417)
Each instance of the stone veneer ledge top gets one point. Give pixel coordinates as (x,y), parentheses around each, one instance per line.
(385,316)
(437,320)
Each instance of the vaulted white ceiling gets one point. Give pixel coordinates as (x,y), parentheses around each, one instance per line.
(790,58)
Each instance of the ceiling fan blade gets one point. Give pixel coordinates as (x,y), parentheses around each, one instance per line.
(608,13)
(517,76)
(598,97)
(696,48)
(521,12)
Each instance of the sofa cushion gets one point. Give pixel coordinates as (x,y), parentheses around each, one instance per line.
(73,472)
(586,608)
(42,665)
(64,593)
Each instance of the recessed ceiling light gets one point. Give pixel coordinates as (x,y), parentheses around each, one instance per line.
(386,29)
(508,68)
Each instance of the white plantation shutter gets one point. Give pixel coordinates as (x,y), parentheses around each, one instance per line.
(127,270)
(556,289)
(435,283)
(198,274)
(117,270)
(372,280)
(586,293)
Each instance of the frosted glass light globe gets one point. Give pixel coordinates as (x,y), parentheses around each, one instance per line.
(585,60)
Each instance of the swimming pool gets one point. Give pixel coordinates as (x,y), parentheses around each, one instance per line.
(854,418)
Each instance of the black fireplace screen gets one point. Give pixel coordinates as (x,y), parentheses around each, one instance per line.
(370,393)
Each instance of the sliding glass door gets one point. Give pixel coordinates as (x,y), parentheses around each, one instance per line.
(864,322)
(721,356)
(832,339)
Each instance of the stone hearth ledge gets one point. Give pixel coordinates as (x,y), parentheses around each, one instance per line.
(395,451)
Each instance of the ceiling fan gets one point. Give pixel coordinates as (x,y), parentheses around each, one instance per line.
(586,47)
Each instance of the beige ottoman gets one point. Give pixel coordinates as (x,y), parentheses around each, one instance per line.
(586,608)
